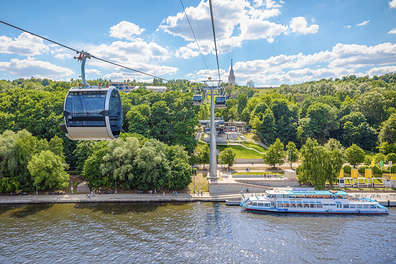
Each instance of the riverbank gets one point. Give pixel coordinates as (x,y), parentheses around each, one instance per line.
(387,199)
(114,198)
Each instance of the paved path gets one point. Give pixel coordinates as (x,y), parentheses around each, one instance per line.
(112,198)
(124,198)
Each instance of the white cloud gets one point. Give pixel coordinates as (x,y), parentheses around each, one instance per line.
(25,45)
(235,20)
(365,22)
(393,30)
(341,60)
(132,53)
(381,70)
(206,73)
(93,71)
(40,69)
(258,29)
(348,26)
(157,70)
(125,30)
(392,4)
(299,25)
(60,52)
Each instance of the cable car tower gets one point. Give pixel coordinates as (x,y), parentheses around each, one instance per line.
(213,151)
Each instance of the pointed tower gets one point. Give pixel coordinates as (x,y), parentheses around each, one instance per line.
(231,76)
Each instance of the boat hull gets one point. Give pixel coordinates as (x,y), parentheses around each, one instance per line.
(275,210)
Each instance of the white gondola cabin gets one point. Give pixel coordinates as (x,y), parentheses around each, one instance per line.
(220,101)
(93,113)
(197,99)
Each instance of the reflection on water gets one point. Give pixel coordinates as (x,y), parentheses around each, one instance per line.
(188,232)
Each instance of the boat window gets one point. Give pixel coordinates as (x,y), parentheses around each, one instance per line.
(306,205)
(286,205)
(260,204)
(359,206)
(85,102)
(319,206)
(351,206)
(366,206)
(267,204)
(299,205)
(115,104)
(254,203)
(346,205)
(311,205)
(372,206)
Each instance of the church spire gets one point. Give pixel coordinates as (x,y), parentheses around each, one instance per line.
(231,76)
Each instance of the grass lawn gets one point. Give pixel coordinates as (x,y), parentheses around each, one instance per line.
(251,145)
(241,152)
(201,184)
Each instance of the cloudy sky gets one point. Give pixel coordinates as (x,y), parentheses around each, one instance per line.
(271,42)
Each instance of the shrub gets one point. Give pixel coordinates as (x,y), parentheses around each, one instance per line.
(376,170)
(347,169)
(393,169)
(379,157)
(391,157)
(354,155)
(367,160)
(362,169)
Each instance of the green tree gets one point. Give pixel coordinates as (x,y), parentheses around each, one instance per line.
(312,169)
(181,170)
(285,116)
(334,161)
(320,164)
(354,155)
(266,129)
(379,157)
(321,120)
(201,154)
(292,153)
(355,130)
(388,130)
(391,157)
(118,162)
(92,172)
(227,156)
(372,105)
(152,166)
(139,119)
(48,171)
(275,153)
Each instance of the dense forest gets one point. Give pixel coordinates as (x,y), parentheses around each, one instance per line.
(158,145)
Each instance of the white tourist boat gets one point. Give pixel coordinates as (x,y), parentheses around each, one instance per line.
(310,201)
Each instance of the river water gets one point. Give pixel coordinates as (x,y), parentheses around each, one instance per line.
(189,233)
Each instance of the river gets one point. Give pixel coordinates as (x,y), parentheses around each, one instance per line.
(189,233)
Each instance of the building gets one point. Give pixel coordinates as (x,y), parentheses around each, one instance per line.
(250,84)
(231,76)
(157,88)
(122,86)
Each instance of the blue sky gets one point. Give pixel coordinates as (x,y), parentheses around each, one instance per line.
(272,42)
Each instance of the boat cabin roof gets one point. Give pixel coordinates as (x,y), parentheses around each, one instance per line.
(307,192)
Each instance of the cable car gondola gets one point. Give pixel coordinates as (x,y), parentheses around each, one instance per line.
(197,99)
(220,101)
(92,112)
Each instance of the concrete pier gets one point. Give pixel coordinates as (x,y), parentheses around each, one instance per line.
(386,199)
(113,198)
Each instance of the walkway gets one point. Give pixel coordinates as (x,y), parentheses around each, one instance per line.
(113,198)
